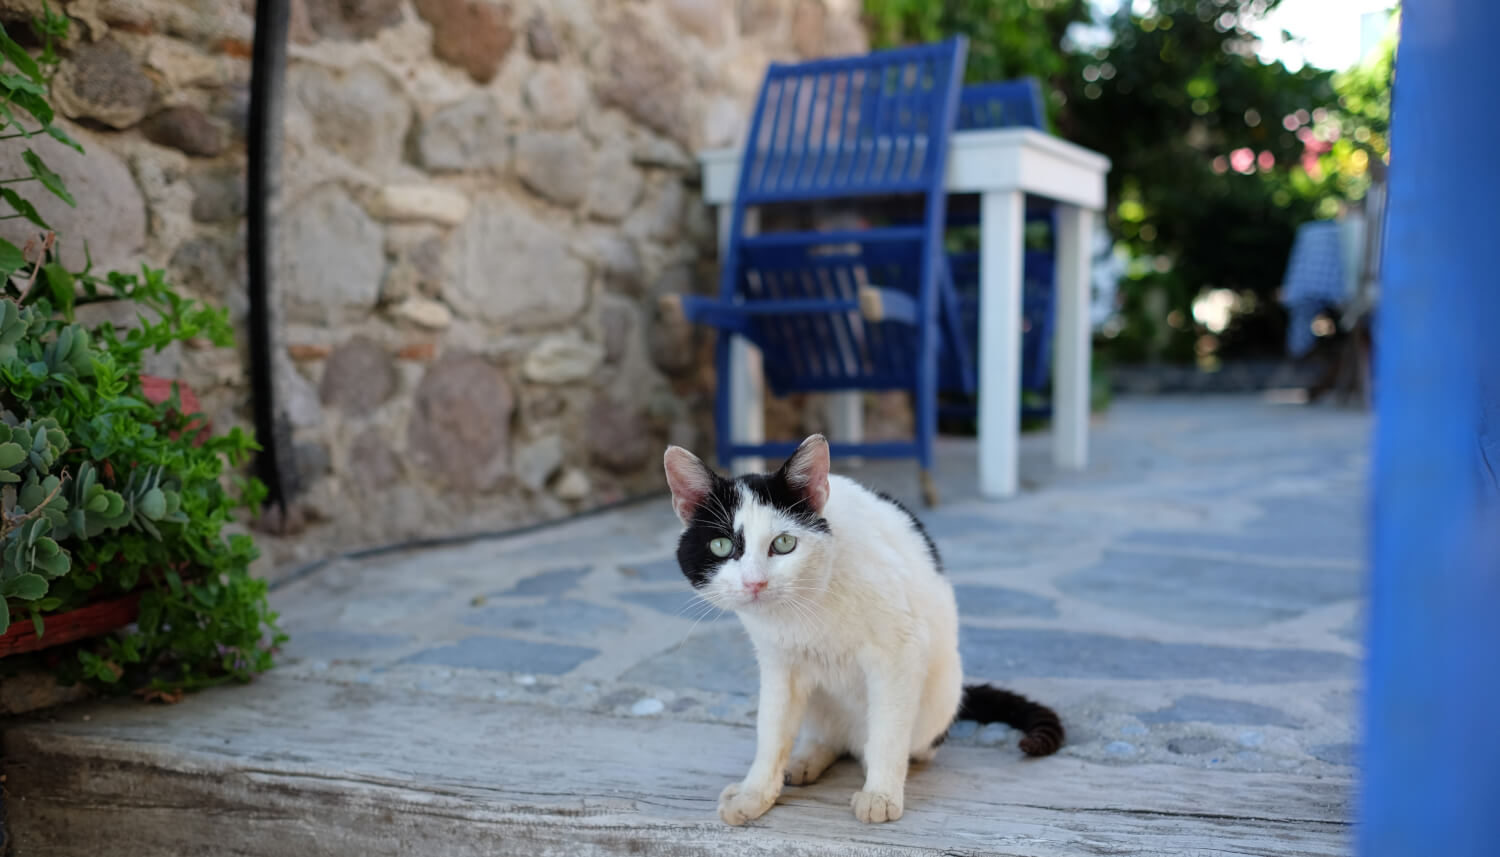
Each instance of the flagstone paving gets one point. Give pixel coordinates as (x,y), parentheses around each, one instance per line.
(1192,601)
(1210,561)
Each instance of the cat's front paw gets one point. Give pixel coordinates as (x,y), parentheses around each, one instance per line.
(738,804)
(875,807)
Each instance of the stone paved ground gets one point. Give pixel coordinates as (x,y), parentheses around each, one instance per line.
(1192,601)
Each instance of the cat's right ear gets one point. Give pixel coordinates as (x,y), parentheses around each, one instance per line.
(690,480)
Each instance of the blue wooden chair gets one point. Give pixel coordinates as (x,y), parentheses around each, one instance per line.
(1005,104)
(1038,280)
(856,309)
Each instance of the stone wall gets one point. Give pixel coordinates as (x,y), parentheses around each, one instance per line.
(480,202)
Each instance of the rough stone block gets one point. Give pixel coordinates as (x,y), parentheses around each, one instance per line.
(103,82)
(460,423)
(474,35)
(509,266)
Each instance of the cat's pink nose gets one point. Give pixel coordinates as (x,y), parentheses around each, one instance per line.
(755,587)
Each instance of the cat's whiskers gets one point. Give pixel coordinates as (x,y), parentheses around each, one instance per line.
(693,603)
(723,518)
(716,513)
(797,605)
(815,590)
(811,612)
(708,608)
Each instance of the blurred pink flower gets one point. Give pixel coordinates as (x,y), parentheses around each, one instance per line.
(1310,164)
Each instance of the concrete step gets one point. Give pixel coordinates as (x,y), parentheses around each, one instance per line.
(294,766)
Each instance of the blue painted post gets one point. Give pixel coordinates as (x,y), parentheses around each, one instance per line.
(1432,713)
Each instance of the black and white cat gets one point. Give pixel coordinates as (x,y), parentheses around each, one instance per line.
(854,626)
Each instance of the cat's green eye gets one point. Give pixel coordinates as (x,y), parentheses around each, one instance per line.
(721,547)
(784,543)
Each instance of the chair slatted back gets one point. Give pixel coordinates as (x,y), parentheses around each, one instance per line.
(837,130)
(853,126)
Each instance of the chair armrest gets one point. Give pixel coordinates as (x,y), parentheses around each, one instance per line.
(735,316)
(706,311)
(877,305)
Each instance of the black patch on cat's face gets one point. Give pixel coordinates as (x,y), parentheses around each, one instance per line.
(712,519)
(774,491)
(937,561)
(715,515)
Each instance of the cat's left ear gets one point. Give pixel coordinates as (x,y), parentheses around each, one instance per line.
(806,472)
(690,480)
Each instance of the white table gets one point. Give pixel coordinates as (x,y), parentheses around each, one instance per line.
(1002,166)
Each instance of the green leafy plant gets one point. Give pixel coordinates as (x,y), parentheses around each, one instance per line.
(104,493)
(24,113)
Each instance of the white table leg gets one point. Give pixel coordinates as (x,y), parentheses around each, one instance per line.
(846,419)
(1071,372)
(1001,227)
(747,391)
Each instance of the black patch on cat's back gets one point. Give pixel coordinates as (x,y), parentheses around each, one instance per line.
(774,492)
(937,559)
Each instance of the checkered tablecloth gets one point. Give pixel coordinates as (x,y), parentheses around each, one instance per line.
(1314,281)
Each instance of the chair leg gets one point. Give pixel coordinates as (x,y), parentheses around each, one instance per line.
(1366,347)
(925,400)
(929,488)
(723,415)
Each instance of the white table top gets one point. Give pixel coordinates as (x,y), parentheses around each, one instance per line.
(1003,159)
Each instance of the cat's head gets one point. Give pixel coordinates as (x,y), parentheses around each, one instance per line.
(758,541)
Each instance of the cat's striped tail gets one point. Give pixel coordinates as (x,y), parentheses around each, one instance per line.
(985,703)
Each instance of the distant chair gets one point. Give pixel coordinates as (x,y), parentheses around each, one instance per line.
(855,309)
(1315,282)
(1004,104)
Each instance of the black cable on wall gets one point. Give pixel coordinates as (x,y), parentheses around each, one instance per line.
(268,70)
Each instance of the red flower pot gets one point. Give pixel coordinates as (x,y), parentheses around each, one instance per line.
(91,620)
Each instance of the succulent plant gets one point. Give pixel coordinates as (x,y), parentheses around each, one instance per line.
(30,550)
(145,501)
(89,507)
(68,354)
(29,446)
(17,325)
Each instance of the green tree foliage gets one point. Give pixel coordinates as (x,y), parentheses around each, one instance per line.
(1356,130)
(1007,38)
(1171,101)
(1209,146)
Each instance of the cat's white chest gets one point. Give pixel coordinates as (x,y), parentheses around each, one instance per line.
(827,667)
(836,673)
